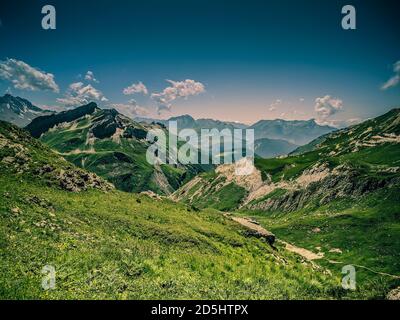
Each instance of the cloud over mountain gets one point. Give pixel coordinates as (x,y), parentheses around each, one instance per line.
(90,77)
(395,79)
(78,94)
(135,88)
(327,107)
(177,89)
(25,77)
(130,109)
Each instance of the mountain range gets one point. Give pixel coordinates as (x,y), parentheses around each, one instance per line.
(272,137)
(76,185)
(109,244)
(349,156)
(18,110)
(334,204)
(111,145)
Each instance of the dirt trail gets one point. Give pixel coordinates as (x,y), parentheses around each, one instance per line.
(307,254)
(255,228)
(252,225)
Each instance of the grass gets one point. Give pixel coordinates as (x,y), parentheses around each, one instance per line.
(117,245)
(212,192)
(367,233)
(121,246)
(285,168)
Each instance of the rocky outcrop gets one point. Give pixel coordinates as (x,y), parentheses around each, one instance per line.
(73,179)
(340,183)
(24,155)
(394,294)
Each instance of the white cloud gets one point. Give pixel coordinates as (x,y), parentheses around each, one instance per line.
(90,77)
(130,109)
(301,99)
(51,108)
(327,107)
(395,79)
(79,94)
(25,77)
(178,89)
(135,88)
(273,105)
(339,123)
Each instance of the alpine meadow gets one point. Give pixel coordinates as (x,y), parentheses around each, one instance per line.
(199,151)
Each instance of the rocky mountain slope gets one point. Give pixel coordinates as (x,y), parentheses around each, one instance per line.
(348,162)
(26,157)
(19,111)
(111,145)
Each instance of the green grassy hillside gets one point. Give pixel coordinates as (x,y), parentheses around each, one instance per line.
(111,145)
(340,198)
(365,234)
(110,244)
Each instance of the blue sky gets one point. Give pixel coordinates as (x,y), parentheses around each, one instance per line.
(248,60)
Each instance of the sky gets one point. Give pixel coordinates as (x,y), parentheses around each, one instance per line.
(228,60)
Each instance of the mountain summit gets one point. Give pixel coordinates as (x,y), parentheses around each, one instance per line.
(18,111)
(112,145)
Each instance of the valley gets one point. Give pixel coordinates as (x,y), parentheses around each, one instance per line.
(205,156)
(118,228)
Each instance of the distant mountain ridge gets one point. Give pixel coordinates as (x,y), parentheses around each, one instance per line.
(188,122)
(272,137)
(19,111)
(298,132)
(271,148)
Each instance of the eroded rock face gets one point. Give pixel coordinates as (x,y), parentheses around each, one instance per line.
(338,184)
(73,179)
(24,155)
(78,180)
(243,173)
